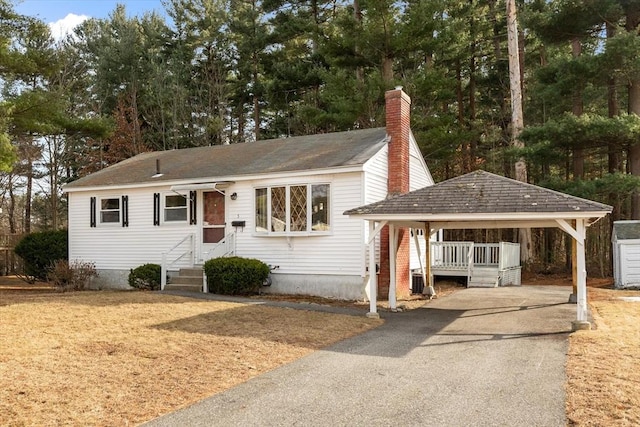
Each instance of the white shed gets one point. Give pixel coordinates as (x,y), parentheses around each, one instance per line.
(626,254)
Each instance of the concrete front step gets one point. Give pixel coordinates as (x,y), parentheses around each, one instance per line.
(195,271)
(183,287)
(188,279)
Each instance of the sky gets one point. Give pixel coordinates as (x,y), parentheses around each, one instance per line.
(63,15)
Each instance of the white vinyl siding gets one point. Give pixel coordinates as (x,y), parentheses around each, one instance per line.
(336,252)
(627,263)
(375,177)
(121,247)
(419,175)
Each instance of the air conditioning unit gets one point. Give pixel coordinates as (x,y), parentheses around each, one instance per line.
(417,283)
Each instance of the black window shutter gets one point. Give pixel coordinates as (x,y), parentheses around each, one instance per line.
(125,211)
(156,208)
(92,212)
(192,208)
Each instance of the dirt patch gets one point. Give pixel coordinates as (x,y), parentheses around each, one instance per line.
(121,358)
(541,279)
(442,288)
(15,285)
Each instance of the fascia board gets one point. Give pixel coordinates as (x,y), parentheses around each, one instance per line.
(234,178)
(483,216)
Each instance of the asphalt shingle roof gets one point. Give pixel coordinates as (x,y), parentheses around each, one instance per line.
(301,153)
(479,192)
(626,230)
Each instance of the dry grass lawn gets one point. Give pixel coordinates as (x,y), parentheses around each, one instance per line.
(121,358)
(603,366)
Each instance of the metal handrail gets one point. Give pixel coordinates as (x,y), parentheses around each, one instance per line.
(165,265)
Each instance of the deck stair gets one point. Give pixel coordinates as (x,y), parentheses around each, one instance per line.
(188,279)
(484,277)
(486,265)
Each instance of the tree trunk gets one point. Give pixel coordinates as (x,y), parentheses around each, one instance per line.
(387,68)
(256,101)
(473,144)
(12,207)
(461,120)
(633,17)
(517,119)
(357,16)
(27,198)
(577,109)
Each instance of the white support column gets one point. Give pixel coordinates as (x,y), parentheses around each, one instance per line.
(429,276)
(582,309)
(579,234)
(393,252)
(373,282)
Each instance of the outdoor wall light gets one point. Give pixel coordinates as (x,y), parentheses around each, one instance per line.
(234,196)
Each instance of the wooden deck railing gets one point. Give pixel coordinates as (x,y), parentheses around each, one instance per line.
(510,255)
(456,255)
(450,255)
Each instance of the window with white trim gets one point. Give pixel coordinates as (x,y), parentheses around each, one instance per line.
(293,209)
(110,210)
(175,208)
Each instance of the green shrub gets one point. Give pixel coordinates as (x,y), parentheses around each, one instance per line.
(235,275)
(40,250)
(146,277)
(71,276)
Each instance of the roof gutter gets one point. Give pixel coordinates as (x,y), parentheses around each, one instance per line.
(213,186)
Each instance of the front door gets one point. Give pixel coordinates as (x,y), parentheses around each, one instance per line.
(213,222)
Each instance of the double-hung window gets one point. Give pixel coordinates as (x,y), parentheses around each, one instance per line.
(293,209)
(110,210)
(175,208)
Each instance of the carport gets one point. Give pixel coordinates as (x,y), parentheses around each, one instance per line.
(480,200)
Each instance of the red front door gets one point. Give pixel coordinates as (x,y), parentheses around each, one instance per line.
(213,225)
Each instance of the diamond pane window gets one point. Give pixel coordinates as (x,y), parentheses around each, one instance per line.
(293,209)
(279,209)
(298,207)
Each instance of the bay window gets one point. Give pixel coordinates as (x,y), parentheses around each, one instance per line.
(292,209)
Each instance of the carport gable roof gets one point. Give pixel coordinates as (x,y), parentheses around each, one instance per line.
(482,196)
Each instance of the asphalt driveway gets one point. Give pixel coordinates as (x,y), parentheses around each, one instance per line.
(482,357)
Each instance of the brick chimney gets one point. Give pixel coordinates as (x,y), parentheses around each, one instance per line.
(398,123)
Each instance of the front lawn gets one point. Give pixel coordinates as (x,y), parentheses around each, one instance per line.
(121,358)
(603,365)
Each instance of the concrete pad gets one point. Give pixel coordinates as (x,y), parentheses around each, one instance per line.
(478,357)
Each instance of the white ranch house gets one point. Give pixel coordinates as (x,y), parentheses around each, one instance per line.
(280,201)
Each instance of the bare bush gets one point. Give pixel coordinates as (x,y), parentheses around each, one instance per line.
(71,276)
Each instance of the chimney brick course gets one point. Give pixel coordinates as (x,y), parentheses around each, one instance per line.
(398,125)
